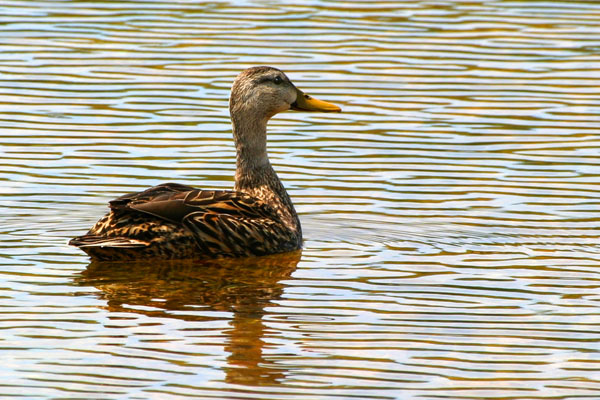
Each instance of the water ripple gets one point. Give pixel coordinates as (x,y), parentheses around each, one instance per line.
(449,212)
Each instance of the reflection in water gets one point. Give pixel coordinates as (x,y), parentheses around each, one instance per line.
(243,287)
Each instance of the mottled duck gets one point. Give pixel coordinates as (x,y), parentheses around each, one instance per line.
(173,221)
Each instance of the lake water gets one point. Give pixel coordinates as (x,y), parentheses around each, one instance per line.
(451,212)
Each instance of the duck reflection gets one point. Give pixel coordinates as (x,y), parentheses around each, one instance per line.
(241,286)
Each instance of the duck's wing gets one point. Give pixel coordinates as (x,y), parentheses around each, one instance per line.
(222,223)
(181,204)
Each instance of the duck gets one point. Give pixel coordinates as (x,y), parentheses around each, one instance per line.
(176,221)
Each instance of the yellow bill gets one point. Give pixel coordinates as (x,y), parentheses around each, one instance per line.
(306,103)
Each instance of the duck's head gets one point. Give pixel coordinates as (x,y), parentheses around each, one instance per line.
(261,92)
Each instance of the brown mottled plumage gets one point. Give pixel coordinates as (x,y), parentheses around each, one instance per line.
(172,221)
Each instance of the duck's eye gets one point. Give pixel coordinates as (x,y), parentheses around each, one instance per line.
(277,80)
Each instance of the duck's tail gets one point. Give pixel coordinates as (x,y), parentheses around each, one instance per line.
(88,241)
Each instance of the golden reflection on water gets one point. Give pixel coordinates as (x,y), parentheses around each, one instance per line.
(176,289)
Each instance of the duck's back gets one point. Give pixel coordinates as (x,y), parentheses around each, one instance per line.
(172,221)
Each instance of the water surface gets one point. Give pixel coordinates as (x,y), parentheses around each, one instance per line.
(451,212)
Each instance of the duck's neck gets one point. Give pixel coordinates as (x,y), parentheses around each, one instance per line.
(254,174)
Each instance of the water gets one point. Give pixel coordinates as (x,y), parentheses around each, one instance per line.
(451,212)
